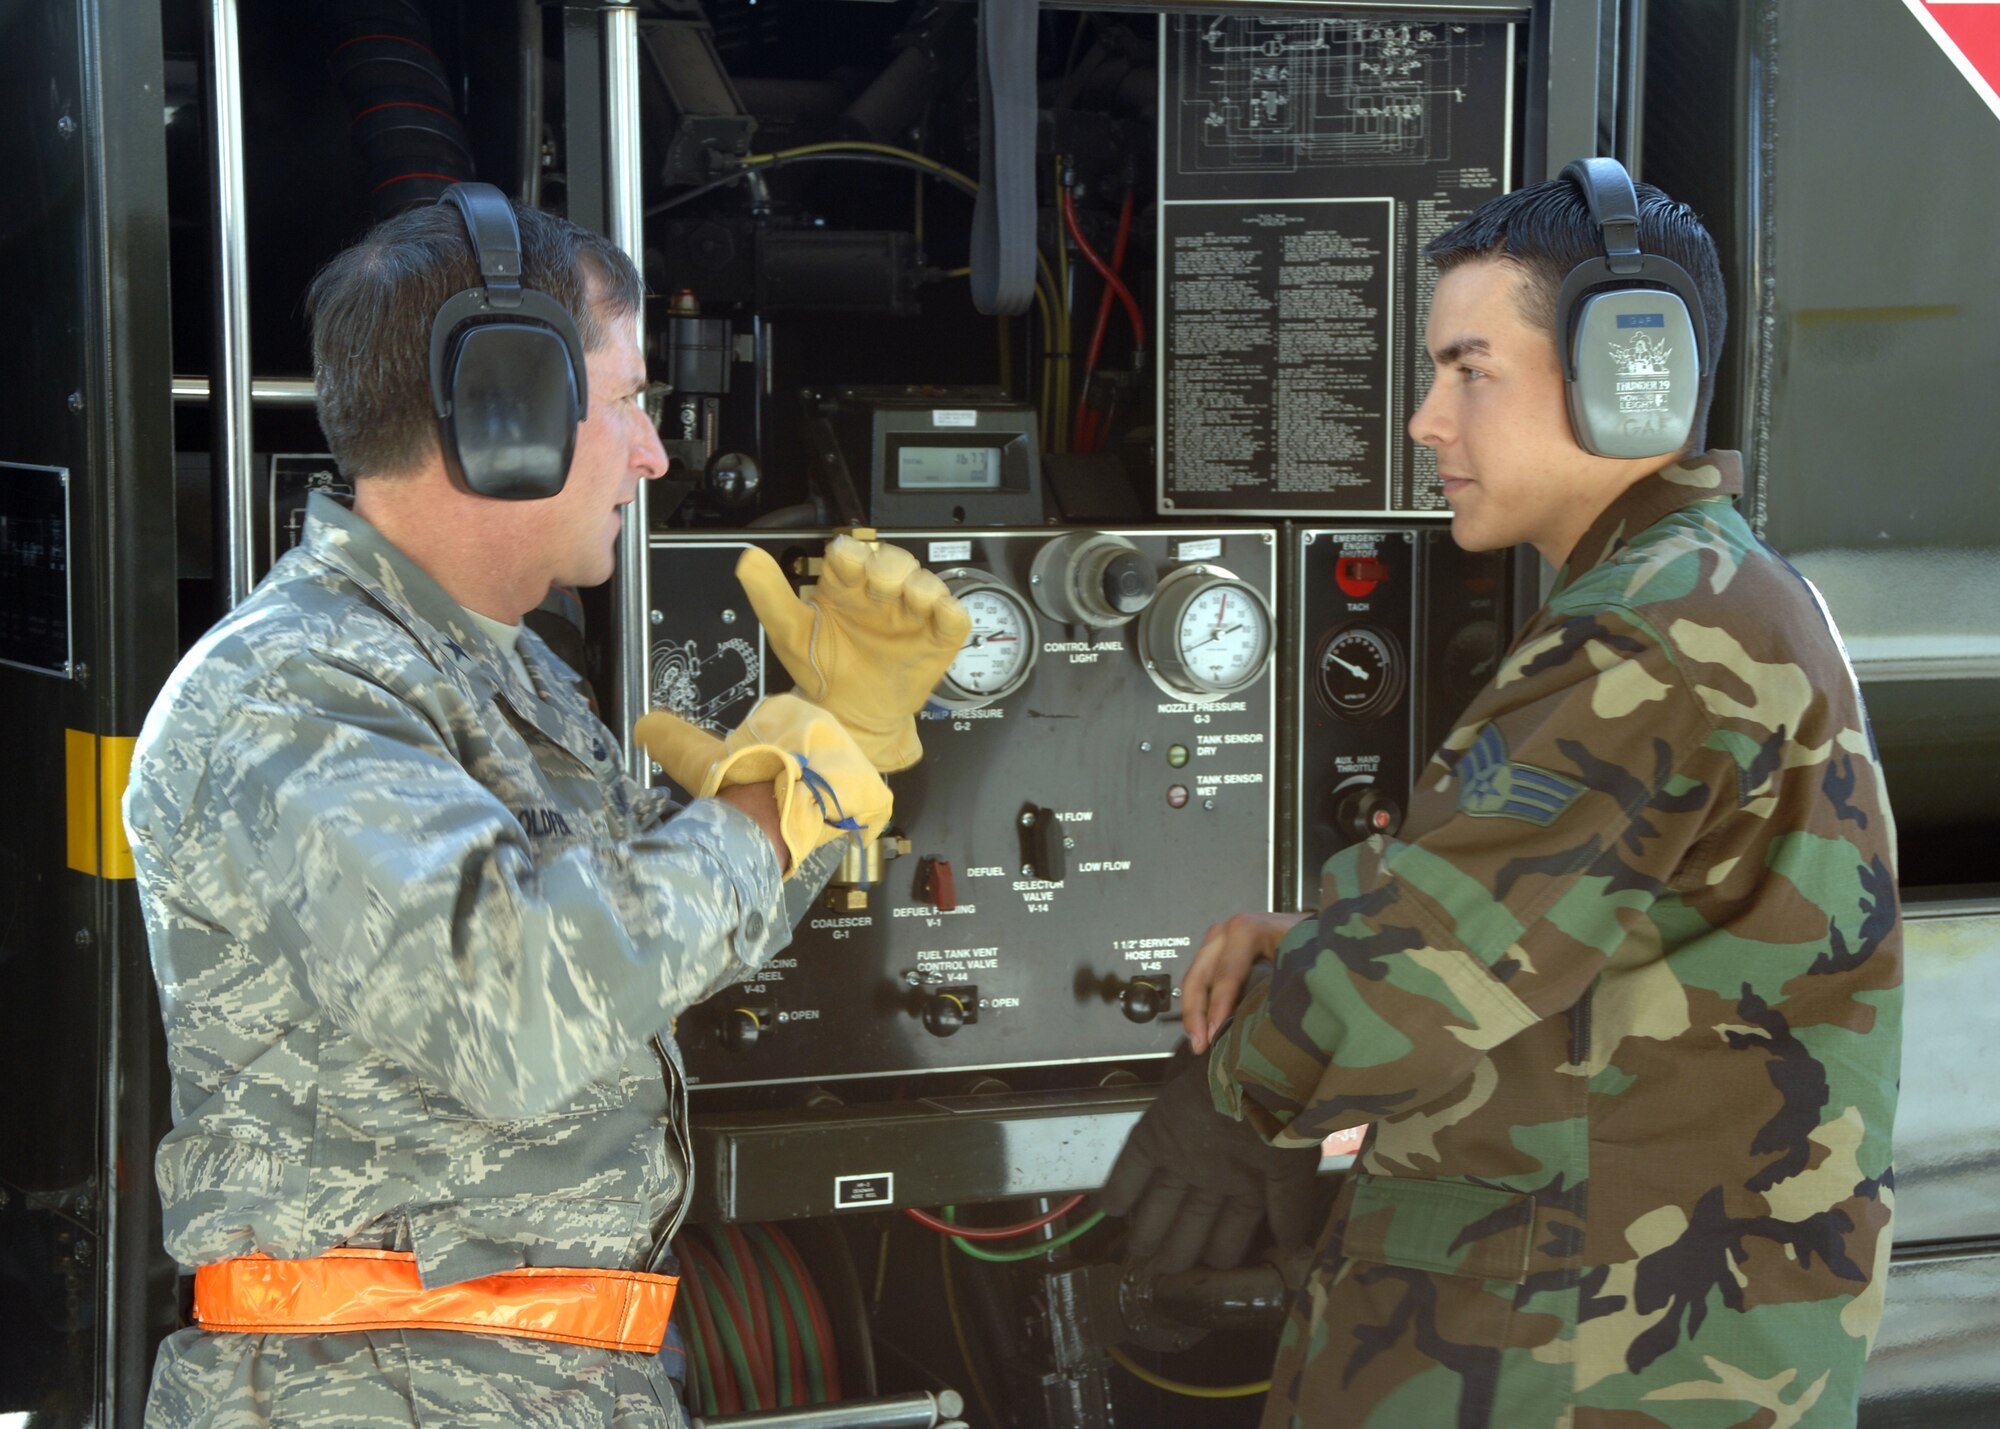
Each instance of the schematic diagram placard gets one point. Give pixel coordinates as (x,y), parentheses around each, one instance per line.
(1304,164)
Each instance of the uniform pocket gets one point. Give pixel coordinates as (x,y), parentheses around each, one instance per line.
(1447,1227)
(1455,1254)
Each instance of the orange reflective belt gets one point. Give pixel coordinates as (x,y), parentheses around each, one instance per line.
(348,1289)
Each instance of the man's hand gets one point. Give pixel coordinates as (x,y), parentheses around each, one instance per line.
(824,786)
(760,802)
(1215,978)
(1197,1183)
(868,645)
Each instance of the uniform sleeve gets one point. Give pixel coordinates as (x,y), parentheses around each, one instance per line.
(1577,786)
(426,925)
(802,888)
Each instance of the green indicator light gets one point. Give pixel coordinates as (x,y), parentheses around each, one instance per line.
(1177,755)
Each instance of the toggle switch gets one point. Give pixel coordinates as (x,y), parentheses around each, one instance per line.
(1044,850)
(940,888)
(1357,576)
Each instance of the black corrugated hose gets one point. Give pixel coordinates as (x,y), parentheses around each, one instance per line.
(399,102)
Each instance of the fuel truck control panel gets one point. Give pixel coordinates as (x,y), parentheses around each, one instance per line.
(1098,786)
(1392,632)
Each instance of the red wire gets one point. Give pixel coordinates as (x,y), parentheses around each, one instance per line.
(829,1348)
(925,1219)
(727,1400)
(1116,283)
(1087,421)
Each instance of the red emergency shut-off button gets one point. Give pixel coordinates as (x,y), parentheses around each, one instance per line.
(1359,575)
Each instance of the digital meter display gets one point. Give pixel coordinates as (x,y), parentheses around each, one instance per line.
(922,468)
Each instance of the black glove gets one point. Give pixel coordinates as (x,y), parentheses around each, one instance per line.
(1201,1181)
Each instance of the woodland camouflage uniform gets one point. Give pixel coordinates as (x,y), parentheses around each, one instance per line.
(418,941)
(1623,1005)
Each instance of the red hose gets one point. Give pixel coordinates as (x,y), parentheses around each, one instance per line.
(760,1314)
(1116,283)
(763,1382)
(816,1309)
(930,1222)
(1087,434)
(719,1377)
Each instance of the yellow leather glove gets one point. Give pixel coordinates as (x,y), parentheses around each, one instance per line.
(825,786)
(868,644)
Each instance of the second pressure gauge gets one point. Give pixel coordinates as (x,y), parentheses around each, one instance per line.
(1206,635)
(998,655)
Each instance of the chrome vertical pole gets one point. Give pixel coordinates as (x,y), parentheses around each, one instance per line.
(230,384)
(631,595)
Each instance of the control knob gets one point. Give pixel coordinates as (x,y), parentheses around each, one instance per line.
(1145,999)
(740,1029)
(944,1013)
(1364,811)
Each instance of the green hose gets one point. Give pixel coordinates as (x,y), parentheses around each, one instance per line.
(801,1314)
(1043,1248)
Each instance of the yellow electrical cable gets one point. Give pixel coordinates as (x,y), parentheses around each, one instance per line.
(958,1332)
(858,146)
(1192,1391)
(1061,442)
(861,146)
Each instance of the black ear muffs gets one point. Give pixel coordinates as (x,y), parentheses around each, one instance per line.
(508,381)
(1631,330)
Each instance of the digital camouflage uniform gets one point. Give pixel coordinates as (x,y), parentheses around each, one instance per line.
(415,932)
(1623,1004)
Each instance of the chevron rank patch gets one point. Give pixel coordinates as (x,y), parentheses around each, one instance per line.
(1490,786)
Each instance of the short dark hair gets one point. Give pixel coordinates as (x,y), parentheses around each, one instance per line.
(1546,230)
(371,310)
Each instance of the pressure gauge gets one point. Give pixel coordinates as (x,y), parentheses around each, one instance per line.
(1359,673)
(1207,634)
(998,655)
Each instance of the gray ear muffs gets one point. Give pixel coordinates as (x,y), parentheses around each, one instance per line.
(508,382)
(1634,356)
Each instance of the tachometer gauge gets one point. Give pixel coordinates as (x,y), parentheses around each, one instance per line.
(1207,634)
(998,655)
(1359,672)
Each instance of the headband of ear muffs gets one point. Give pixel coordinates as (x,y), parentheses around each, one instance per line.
(508,381)
(1631,331)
